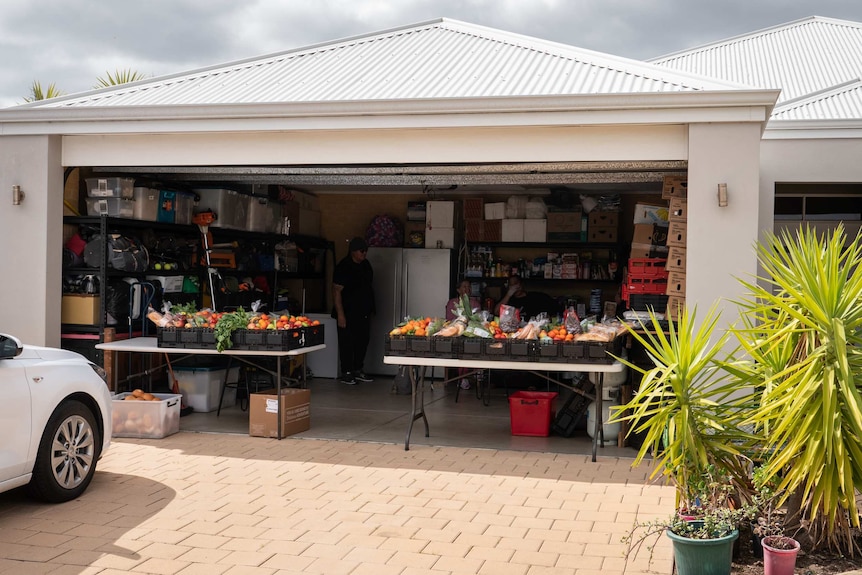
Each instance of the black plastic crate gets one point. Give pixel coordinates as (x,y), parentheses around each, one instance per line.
(419,346)
(189,337)
(573,351)
(575,408)
(496,349)
(598,351)
(207,339)
(446,347)
(168,337)
(473,348)
(395,345)
(284,339)
(643,301)
(550,352)
(249,339)
(523,349)
(314,335)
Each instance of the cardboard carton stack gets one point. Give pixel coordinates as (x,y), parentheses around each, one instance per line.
(675,190)
(474,222)
(442,224)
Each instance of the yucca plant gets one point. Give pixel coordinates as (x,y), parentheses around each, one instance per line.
(687,406)
(117,78)
(802,329)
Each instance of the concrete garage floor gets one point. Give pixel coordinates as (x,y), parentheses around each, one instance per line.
(370,412)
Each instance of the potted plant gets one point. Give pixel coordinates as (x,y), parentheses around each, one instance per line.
(686,408)
(779,554)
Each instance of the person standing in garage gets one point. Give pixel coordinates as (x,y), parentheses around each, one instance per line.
(353,296)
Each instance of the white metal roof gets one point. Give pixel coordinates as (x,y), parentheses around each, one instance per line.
(439,59)
(844,101)
(802,58)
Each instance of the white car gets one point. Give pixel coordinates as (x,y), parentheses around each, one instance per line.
(55,420)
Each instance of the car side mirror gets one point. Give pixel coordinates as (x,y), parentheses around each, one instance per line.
(10,346)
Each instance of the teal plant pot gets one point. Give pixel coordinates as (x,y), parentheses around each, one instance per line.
(703,556)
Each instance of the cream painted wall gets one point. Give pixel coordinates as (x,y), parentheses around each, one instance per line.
(721,239)
(535,144)
(31,260)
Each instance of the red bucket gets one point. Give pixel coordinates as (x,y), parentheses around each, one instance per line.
(531,412)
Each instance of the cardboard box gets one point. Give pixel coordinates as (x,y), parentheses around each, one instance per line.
(513,230)
(474,230)
(440,214)
(416,212)
(564,222)
(674,187)
(677,234)
(492,230)
(649,234)
(81,309)
(495,211)
(648,214)
(676,284)
(603,219)
(676,259)
(678,210)
(675,304)
(446,237)
(535,230)
(602,235)
(474,208)
(648,251)
(295,412)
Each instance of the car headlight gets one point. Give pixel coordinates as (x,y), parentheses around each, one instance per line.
(100,372)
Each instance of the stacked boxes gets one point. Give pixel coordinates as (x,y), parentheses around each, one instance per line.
(675,189)
(442,223)
(474,223)
(602,227)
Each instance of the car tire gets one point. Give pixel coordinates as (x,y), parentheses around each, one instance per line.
(68,452)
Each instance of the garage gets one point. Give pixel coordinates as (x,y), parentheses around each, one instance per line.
(517,117)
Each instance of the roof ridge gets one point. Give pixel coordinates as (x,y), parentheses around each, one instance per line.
(818,95)
(762,32)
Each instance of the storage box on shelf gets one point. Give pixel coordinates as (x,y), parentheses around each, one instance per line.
(535,230)
(564,225)
(678,210)
(674,306)
(110,188)
(676,259)
(146,419)
(81,309)
(113,207)
(474,209)
(442,214)
(677,234)
(674,187)
(495,211)
(146,204)
(264,216)
(676,284)
(231,207)
(512,230)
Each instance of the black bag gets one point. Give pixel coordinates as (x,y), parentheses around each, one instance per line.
(401,384)
(123,253)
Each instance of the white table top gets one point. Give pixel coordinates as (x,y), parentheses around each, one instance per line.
(150,345)
(615,367)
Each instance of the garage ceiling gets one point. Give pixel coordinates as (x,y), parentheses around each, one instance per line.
(475,179)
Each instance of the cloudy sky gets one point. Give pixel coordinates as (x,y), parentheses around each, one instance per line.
(72,43)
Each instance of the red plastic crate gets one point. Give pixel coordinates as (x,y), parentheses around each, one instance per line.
(643,285)
(531,412)
(648,267)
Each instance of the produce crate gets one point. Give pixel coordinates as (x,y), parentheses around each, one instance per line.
(573,351)
(168,337)
(249,339)
(648,267)
(495,349)
(313,335)
(419,346)
(550,352)
(473,347)
(284,339)
(597,351)
(146,419)
(189,337)
(207,338)
(643,285)
(573,410)
(644,301)
(446,347)
(395,345)
(523,349)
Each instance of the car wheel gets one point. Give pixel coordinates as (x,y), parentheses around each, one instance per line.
(67,455)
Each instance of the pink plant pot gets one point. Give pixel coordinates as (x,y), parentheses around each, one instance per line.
(778,561)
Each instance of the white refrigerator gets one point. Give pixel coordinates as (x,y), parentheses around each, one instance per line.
(407,282)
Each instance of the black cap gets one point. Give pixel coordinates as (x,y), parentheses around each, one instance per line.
(357,244)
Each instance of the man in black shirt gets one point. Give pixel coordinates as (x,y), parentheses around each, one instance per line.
(353,296)
(531,304)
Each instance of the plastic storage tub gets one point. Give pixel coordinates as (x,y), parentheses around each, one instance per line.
(114,207)
(146,419)
(263,215)
(110,188)
(146,204)
(230,207)
(201,386)
(185,204)
(531,412)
